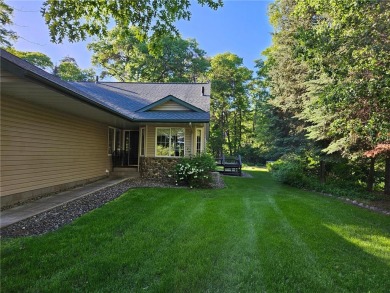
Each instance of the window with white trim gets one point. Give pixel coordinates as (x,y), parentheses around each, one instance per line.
(170,142)
(199,141)
(114,140)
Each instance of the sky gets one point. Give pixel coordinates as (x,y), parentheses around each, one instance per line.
(239,27)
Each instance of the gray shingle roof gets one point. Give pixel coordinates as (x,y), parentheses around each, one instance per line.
(125,98)
(129,97)
(148,93)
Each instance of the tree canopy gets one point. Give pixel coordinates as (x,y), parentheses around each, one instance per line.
(347,47)
(230,104)
(6,35)
(69,70)
(328,75)
(127,58)
(37,58)
(75,20)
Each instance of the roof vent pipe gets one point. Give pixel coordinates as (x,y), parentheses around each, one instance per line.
(97,79)
(202,90)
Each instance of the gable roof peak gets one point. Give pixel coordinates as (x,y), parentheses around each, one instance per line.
(170,98)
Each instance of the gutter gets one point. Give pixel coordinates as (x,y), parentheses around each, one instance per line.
(171,121)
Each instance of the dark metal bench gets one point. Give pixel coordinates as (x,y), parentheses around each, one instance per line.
(231,165)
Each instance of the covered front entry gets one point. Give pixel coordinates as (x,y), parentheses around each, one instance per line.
(130,147)
(126,148)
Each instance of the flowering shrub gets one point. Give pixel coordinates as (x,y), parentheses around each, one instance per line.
(194,171)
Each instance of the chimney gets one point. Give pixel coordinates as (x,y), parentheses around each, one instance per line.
(97,79)
(202,90)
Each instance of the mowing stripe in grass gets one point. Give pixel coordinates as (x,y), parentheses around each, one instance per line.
(310,266)
(253,236)
(254,220)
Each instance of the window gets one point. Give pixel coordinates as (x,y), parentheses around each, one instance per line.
(169,142)
(111,140)
(114,140)
(142,147)
(199,141)
(118,140)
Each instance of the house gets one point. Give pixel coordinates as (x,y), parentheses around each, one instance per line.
(57,134)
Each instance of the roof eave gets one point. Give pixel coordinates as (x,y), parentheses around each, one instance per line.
(28,74)
(172,120)
(77,96)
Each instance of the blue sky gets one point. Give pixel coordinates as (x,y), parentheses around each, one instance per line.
(240,27)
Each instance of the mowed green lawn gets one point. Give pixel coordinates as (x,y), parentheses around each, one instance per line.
(253,236)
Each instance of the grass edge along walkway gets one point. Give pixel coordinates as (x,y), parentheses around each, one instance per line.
(253,236)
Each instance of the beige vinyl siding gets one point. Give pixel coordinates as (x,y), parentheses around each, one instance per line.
(41,148)
(170,106)
(151,138)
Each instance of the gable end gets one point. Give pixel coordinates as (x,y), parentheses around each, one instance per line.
(169,106)
(170,103)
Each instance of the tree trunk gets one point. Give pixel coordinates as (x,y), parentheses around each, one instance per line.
(229,143)
(387,176)
(371,173)
(240,131)
(322,171)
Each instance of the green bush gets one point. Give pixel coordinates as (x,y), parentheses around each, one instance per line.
(194,171)
(289,169)
(301,171)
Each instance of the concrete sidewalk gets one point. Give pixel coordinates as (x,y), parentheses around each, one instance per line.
(32,208)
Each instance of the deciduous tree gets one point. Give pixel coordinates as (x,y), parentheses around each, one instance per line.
(125,57)
(37,58)
(75,20)
(6,35)
(69,70)
(230,104)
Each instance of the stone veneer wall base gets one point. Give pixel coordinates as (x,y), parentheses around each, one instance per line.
(157,168)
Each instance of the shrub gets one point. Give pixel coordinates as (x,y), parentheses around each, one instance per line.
(195,171)
(300,171)
(289,170)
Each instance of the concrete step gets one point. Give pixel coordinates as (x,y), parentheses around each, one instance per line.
(121,172)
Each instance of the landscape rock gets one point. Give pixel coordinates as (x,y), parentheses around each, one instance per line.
(64,214)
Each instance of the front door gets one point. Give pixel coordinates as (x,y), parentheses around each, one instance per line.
(131,140)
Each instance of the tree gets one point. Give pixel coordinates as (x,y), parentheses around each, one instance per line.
(347,44)
(286,78)
(76,20)
(328,68)
(69,70)
(6,35)
(382,149)
(230,104)
(125,57)
(37,58)
(271,131)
